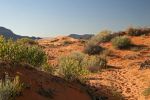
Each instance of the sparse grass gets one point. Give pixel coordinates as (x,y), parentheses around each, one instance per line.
(10,89)
(121,42)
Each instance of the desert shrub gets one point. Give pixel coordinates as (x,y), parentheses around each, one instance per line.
(102,37)
(92,49)
(10,89)
(35,56)
(72,66)
(137,31)
(121,42)
(14,52)
(92,46)
(27,41)
(95,63)
(9,51)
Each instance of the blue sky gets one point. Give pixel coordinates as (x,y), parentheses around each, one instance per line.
(48,18)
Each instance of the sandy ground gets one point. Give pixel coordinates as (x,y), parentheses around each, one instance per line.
(123,78)
(35,80)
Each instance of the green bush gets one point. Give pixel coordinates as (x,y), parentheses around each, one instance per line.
(14,52)
(72,66)
(10,89)
(121,42)
(35,56)
(27,41)
(92,49)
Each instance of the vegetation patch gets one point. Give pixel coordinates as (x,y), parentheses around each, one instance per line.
(15,52)
(27,41)
(76,65)
(93,49)
(121,42)
(95,63)
(137,31)
(9,89)
(102,37)
(72,66)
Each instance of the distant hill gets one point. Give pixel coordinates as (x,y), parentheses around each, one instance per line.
(7,33)
(84,36)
